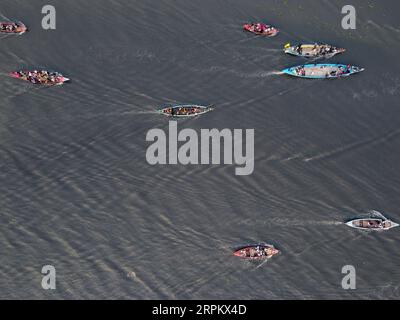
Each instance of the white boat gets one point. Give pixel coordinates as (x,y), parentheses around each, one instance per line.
(313,50)
(372,224)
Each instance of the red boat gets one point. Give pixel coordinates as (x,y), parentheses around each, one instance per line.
(256,252)
(261,29)
(40,77)
(13,27)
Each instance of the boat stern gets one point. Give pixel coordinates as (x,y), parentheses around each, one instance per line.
(289,71)
(14,74)
(350,223)
(239,253)
(289,50)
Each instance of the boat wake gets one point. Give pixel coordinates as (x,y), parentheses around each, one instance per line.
(134,113)
(354,146)
(262,263)
(261,74)
(2,16)
(373,214)
(248,39)
(297,222)
(5,36)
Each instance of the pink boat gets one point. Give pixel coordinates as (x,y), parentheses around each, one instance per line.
(13,27)
(261,29)
(256,252)
(40,77)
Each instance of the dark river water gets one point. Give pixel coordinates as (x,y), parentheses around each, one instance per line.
(76,191)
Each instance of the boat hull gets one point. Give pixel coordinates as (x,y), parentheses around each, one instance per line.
(313,51)
(256,252)
(20,28)
(322,71)
(184,111)
(272,33)
(371,224)
(59,80)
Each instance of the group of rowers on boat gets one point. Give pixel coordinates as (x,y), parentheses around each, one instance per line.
(42,76)
(8,27)
(374,224)
(259,251)
(334,73)
(319,50)
(182,110)
(261,28)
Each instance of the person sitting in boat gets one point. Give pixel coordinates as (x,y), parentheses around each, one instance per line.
(268,30)
(385,224)
(259,27)
(327,50)
(301,71)
(341,71)
(314,49)
(299,48)
(34,80)
(168,111)
(259,251)
(375,224)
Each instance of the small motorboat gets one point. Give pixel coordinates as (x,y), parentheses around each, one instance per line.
(372,224)
(322,71)
(40,77)
(313,50)
(256,252)
(261,29)
(185,110)
(13,27)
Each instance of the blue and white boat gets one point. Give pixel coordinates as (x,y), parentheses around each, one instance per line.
(322,71)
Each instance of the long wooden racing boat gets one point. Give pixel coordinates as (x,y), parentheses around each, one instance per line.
(185,110)
(40,77)
(256,252)
(12,27)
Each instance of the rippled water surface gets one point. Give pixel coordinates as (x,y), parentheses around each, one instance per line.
(76,191)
